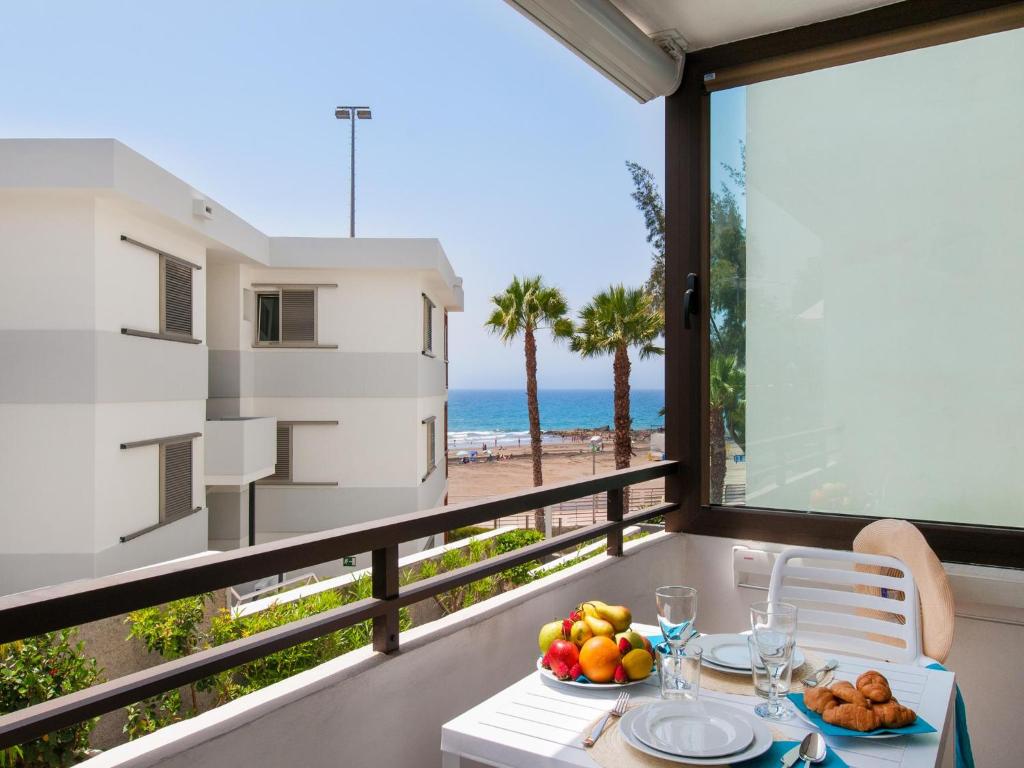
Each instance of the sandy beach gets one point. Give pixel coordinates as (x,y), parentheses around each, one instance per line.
(561,462)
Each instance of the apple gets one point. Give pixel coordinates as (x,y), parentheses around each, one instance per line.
(563,652)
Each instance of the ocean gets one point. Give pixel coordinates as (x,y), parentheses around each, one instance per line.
(498,416)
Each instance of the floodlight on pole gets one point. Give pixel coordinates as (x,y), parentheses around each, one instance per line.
(352,113)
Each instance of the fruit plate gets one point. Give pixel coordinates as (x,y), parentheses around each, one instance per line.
(582,682)
(918,726)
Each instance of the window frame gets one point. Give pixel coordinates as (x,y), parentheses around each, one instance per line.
(903,26)
(278,289)
(431,445)
(289,425)
(164,516)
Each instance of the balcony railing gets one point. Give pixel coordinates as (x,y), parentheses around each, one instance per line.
(51,608)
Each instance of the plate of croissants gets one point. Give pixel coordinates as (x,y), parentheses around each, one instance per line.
(862,708)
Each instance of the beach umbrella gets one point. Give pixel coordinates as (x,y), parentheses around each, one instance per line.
(462,453)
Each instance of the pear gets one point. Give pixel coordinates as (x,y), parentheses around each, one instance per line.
(581,632)
(599,626)
(617,615)
(634,638)
(591,608)
(548,634)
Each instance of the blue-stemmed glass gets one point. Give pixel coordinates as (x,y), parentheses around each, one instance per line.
(677,610)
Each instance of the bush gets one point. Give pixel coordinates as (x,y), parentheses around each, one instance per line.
(517,539)
(466,532)
(260,673)
(39,669)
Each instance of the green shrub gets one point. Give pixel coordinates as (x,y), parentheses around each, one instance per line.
(173,631)
(512,540)
(260,673)
(39,669)
(465,532)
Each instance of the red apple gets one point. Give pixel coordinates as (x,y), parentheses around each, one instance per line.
(565,652)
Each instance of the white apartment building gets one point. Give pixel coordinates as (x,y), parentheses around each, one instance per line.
(162,360)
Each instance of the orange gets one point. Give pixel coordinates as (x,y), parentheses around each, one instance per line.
(599,657)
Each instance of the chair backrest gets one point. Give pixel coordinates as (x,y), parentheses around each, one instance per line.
(846,606)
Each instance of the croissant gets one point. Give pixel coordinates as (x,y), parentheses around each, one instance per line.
(874,687)
(892,714)
(846,692)
(851,716)
(819,699)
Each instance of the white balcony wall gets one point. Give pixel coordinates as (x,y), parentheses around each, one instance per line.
(346,710)
(240,450)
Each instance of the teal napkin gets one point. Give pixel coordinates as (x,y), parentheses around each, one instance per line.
(772,758)
(964,753)
(919,726)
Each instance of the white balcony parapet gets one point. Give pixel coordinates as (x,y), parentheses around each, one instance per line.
(240,450)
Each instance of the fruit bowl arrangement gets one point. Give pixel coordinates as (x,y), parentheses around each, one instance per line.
(595,645)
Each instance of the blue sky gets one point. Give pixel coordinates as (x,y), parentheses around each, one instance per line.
(486,134)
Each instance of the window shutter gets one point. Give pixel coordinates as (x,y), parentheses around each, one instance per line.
(176,480)
(177,298)
(283,468)
(297,316)
(428,326)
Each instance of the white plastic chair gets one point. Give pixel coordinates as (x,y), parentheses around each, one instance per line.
(846,610)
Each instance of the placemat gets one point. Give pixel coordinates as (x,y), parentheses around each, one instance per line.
(726,682)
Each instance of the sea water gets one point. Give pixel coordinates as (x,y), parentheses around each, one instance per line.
(499,416)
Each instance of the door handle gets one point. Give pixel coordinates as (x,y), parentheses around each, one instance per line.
(691,304)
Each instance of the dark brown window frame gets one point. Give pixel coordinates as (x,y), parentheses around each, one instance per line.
(278,481)
(902,26)
(163,334)
(431,445)
(278,289)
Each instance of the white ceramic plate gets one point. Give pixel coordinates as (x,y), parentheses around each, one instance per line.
(549,675)
(762,740)
(732,653)
(692,730)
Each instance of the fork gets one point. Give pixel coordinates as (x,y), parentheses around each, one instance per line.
(617,711)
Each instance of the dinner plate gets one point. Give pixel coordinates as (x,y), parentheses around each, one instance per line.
(731,653)
(690,730)
(762,741)
(549,675)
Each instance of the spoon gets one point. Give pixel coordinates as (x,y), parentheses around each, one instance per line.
(812,749)
(820,674)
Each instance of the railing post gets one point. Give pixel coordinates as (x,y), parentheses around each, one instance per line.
(385,587)
(615,514)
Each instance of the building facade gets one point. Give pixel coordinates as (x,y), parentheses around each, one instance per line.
(163,359)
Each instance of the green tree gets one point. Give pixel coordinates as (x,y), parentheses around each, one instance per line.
(728,390)
(526,307)
(612,322)
(649,202)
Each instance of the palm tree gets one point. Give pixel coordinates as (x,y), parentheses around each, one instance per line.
(528,306)
(728,387)
(610,324)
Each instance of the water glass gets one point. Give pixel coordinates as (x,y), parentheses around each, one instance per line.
(759,673)
(679,672)
(773,629)
(677,610)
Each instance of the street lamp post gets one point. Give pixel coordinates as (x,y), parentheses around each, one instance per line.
(353,114)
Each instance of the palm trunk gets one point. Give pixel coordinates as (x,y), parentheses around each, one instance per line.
(623,443)
(717,440)
(533,409)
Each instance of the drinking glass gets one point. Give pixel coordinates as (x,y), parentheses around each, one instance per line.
(773,626)
(677,609)
(759,673)
(679,672)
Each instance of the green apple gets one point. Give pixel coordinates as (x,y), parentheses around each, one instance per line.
(548,634)
(634,638)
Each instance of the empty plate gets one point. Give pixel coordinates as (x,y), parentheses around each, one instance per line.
(762,740)
(693,730)
(732,653)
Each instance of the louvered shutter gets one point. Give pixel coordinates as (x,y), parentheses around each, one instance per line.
(176,480)
(177,298)
(428,325)
(297,316)
(283,468)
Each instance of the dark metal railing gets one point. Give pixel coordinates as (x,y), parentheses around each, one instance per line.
(65,605)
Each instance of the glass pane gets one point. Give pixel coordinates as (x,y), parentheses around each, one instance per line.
(866,269)
(269,317)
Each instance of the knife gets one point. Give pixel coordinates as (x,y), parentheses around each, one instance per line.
(790,758)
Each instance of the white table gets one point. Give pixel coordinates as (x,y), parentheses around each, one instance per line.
(536,722)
